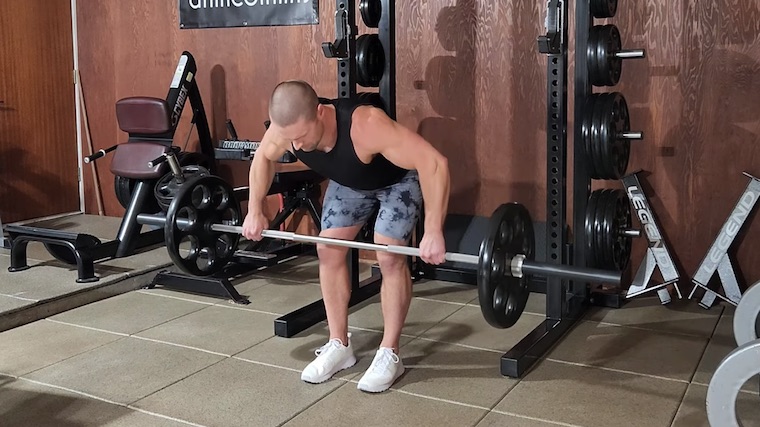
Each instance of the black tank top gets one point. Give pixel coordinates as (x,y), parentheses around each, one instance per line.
(341,164)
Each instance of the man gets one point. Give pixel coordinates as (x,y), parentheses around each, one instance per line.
(369,159)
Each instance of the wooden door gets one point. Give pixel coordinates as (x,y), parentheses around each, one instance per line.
(38,146)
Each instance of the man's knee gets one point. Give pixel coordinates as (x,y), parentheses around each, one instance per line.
(331,255)
(392,263)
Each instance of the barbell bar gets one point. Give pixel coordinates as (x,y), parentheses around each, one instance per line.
(519,265)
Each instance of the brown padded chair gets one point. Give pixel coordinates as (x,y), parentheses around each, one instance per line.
(143,116)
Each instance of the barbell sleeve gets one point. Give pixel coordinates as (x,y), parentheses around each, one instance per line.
(523,266)
(582,274)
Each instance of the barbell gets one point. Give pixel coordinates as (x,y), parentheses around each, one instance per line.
(202,231)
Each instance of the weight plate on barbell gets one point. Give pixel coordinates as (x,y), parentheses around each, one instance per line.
(502,296)
(192,245)
(370,60)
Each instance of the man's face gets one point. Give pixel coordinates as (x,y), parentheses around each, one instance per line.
(304,134)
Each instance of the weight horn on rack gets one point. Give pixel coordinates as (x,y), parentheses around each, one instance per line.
(202,232)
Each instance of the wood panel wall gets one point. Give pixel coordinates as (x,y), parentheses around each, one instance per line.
(471,81)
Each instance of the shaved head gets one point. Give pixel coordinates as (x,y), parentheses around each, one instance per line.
(291,101)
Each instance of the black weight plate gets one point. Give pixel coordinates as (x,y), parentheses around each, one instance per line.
(621,247)
(167,186)
(609,65)
(370,60)
(601,9)
(600,66)
(588,114)
(590,225)
(606,137)
(124,187)
(598,161)
(591,60)
(621,147)
(503,297)
(608,228)
(202,201)
(371,11)
(599,225)
(614,45)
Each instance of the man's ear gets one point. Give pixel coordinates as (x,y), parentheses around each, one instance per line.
(320,110)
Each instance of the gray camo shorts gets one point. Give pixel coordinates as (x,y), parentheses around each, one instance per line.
(399,205)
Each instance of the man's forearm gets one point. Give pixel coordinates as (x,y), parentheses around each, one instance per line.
(259,181)
(435,192)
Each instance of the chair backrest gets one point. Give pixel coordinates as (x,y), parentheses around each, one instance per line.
(147,120)
(142,115)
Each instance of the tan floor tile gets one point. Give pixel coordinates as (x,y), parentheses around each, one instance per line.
(306,269)
(453,373)
(11,303)
(237,393)
(282,297)
(721,343)
(50,279)
(129,313)
(495,419)
(629,349)
(219,329)
(680,316)
(42,343)
(467,326)
(422,315)
(102,227)
(125,370)
(348,406)
(445,291)
(693,410)
(26,404)
(162,292)
(593,397)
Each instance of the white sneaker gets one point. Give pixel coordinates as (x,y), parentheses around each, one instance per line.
(331,358)
(386,367)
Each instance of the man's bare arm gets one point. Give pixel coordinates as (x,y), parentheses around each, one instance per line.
(377,133)
(262,170)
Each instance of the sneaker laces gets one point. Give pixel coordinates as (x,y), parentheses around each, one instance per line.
(333,343)
(385,357)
